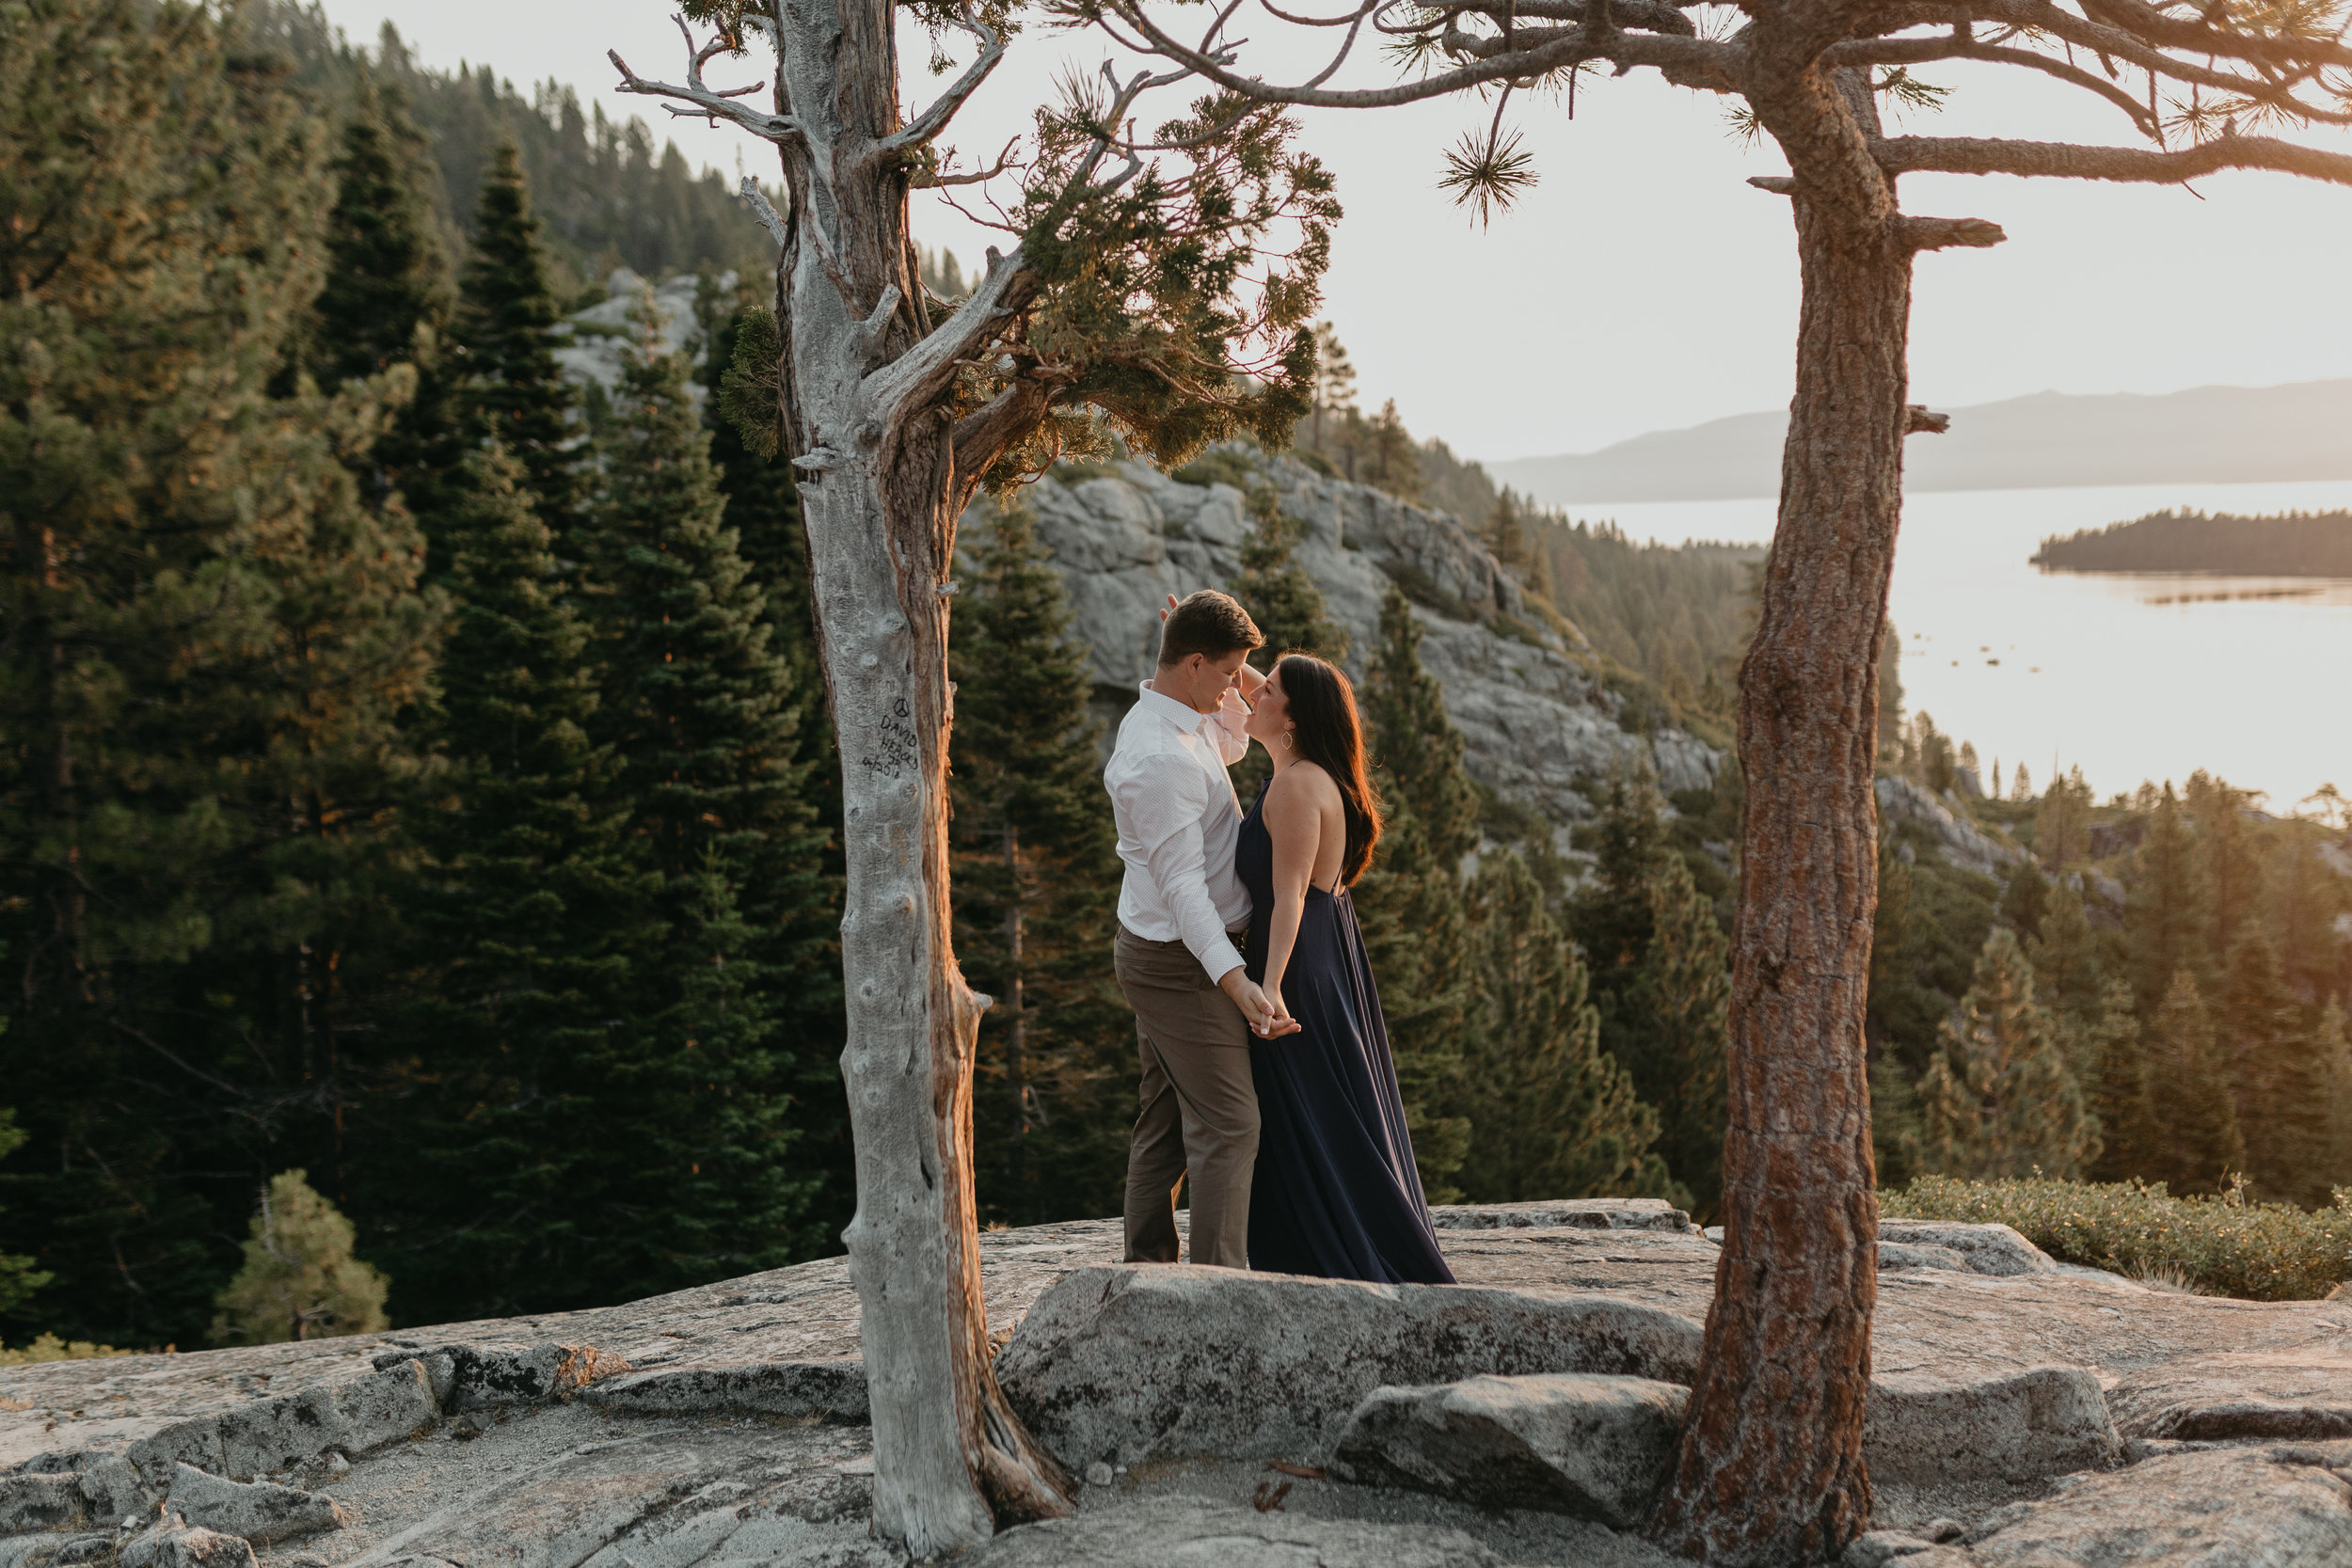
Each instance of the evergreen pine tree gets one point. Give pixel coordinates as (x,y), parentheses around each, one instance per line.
(763,506)
(1660,977)
(2070,974)
(1551,1112)
(299,1280)
(1998,1099)
(2130,1143)
(727,1061)
(387,297)
(2195,1111)
(2307,898)
(1507,535)
(2280,1074)
(2166,914)
(526,916)
(208,637)
(2062,823)
(1036,891)
(1417,752)
(2334,1044)
(1682,993)
(2026,900)
(19,1279)
(1280,595)
(1393,464)
(509,386)
(2229,862)
(1412,903)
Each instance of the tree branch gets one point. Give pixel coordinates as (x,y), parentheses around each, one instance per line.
(2042,16)
(1689,60)
(2061,160)
(1918,51)
(707,104)
(1944,233)
(916,374)
(2196,38)
(982,435)
(1650,16)
(764,210)
(1004,159)
(931,121)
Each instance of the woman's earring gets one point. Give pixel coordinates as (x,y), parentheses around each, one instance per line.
(1288,744)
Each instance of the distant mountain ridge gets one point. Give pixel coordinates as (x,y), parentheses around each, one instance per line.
(2205,435)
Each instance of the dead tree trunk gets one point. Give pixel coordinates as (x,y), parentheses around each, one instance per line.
(865,385)
(892,411)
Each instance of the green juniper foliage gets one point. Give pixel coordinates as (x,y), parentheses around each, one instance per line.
(1140,284)
(1036,888)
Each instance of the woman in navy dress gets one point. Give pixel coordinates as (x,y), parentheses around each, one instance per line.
(1336,1192)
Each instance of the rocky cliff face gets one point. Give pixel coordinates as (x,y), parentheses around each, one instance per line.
(594,338)
(1534,717)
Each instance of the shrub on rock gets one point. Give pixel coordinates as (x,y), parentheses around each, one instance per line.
(2223,1245)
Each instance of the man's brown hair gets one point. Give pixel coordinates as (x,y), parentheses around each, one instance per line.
(1207,623)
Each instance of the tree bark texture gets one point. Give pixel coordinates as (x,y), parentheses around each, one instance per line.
(881,490)
(1770,1468)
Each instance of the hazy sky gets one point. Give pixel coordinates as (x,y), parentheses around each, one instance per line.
(1641,285)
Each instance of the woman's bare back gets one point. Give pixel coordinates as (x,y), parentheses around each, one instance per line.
(1303,806)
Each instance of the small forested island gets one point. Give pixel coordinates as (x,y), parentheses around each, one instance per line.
(2292,544)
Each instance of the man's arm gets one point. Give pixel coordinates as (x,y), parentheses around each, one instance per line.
(1162,806)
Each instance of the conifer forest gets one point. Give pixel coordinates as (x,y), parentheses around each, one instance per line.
(418,800)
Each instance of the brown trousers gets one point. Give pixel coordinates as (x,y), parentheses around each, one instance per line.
(1200,1108)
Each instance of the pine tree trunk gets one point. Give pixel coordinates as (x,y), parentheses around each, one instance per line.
(1016,1042)
(1770,1468)
(880,495)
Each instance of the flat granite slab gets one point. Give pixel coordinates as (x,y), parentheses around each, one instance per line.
(1928,1319)
(720,1427)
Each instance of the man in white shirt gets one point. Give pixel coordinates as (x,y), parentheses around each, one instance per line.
(1180,905)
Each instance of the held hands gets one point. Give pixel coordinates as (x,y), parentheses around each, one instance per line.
(1267,1020)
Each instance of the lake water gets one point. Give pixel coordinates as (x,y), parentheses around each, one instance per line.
(2131,678)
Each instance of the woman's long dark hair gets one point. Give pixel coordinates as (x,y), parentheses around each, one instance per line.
(1328,734)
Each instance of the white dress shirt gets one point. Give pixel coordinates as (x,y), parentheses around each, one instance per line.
(1178,820)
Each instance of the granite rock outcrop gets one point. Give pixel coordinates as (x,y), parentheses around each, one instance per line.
(1535,717)
(722,1427)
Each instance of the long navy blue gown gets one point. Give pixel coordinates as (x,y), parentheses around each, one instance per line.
(1336,1192)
